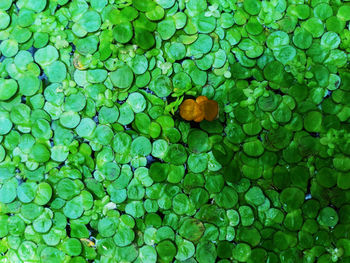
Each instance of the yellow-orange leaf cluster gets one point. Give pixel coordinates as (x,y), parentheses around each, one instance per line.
(200,109)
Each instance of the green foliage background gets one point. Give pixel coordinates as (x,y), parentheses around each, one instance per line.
(97,166)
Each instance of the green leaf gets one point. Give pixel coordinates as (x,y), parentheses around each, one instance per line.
(206,252)
(166,250)
(328,217)
(8,191)
(8,88)
(161,86)
(124,236)
(123,32)
(241,252)
(56,71)
(73,208)
(192,229)
(107,227)
(9,47)
(72,247)
(147,254)
(255,196)
(26,192)
(40,153)
(166,28)
(291,198)
(45,56)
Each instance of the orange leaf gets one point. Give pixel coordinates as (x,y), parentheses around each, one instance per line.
(210,109)
(201,99)
(189,109)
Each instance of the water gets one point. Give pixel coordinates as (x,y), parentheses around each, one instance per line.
(32,50)
(43,76)
(95,119)
(73,49)
(149,91)
(329,93)
(150,159)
